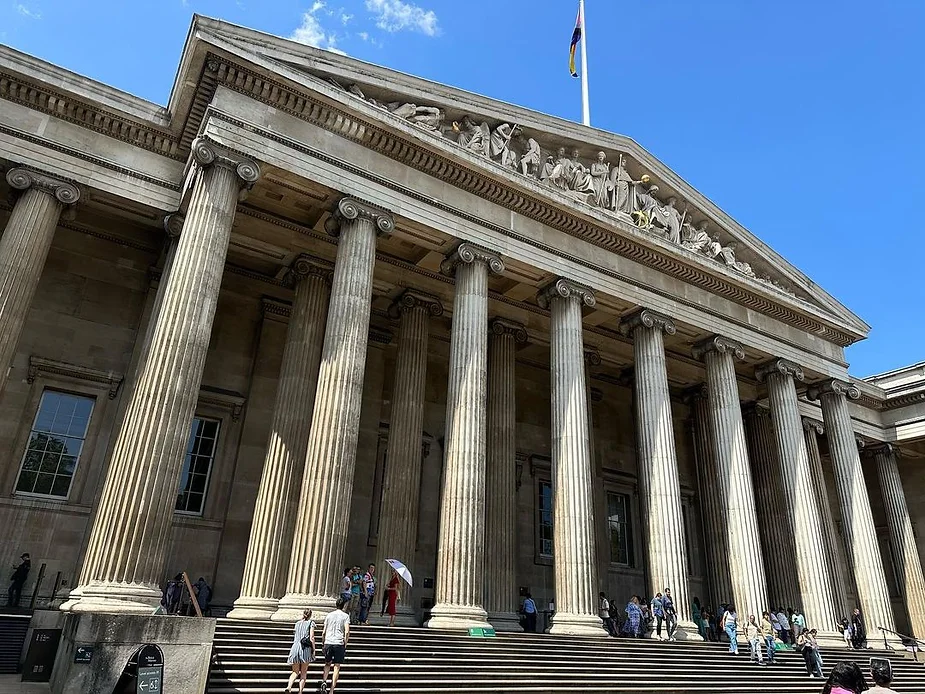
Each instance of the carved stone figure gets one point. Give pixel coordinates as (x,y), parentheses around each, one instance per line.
(697,240)
(600,179)
(672,221)
(717,250)
(472,136)
(580,180)
(427,117)
(548,167)
(500,144)
(646,205)
(530,161)
(621,182)
(561,173)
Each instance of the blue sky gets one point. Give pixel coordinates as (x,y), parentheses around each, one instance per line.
(803,120)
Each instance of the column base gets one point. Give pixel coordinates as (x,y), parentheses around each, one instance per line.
(876,642)
(687,631)
(72,599)
(572,624)
(404,617)
(116,598)
(293,604)
(505,621)
(250,607)
(832,639)
(447,617)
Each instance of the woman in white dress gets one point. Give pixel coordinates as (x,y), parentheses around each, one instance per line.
(302,651)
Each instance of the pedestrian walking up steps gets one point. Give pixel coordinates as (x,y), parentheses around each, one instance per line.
(250,657)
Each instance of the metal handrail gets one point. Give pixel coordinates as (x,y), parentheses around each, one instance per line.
(905,637)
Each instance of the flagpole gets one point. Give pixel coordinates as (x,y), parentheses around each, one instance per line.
(585,106)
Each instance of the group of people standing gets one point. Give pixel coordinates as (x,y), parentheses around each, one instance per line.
(358,591)
(642,616)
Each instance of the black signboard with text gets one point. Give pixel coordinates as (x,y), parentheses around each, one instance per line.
(41,655)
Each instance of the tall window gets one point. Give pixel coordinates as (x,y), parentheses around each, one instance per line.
(544,521)
(55,442)
(619,529)
(194,478)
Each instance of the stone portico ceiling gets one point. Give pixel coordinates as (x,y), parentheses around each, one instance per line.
(542,167)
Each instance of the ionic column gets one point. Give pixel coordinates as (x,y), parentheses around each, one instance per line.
(811,431)
(128,540)
(771,512)
(902,537)
(461,545)
(746,568)
(398,515)
(24,247)
(663,522)
(712,507)
(815,584)
(323,517)
(857,519)
(501,600)
(574,547)
(267,560)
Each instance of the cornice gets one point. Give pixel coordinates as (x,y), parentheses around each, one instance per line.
(40,365)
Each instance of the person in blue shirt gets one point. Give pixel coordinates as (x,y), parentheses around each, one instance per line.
(529,610)
(658,613)
(671,614)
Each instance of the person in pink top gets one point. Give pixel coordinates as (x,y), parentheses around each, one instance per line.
(846,678)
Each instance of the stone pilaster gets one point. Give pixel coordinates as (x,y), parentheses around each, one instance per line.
(833,544)
(902,537)
(574,547)
(24,247)
(461,545)
(267,559)
(125,558)
(317,558)
(857,519)
(815,584)
(771,512)
(501,599)
(398,515)
(663,524)
(746,567)
(712,506)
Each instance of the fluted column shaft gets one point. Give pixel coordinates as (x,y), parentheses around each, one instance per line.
(815,584)
(857,519)
(398,515)
(267,560)
(24,247)
(574,547)
(746,567)
(712,507)
(128,540)
(663,523)
(831,539)
(774,525)
(323,517)
(461,545)
(902,539)
(501,489)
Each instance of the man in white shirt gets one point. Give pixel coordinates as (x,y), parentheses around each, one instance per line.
(335,636)
(604,614)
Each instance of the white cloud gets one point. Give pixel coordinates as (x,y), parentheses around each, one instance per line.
(345,18)
(26,12)
(364,35)
(312,33)
(395,15)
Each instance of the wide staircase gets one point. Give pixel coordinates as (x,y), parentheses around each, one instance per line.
(250,657)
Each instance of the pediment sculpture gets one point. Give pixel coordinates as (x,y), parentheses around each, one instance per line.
(602,184)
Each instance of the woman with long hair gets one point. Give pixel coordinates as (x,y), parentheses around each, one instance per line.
(302,651)
(391,596)
(846,678)
(633,618)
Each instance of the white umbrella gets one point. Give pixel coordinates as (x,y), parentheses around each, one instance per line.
(401,570)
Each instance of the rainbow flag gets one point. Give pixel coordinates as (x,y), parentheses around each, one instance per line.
(576,37)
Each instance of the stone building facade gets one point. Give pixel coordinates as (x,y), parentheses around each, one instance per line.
(315,313)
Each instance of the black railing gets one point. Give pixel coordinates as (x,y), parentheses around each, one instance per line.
(906,639)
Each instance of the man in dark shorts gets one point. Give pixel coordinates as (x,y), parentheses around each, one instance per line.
(335,636)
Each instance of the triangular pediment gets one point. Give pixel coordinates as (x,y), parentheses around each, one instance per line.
(548,157)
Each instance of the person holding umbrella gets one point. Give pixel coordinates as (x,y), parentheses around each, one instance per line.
(391,596)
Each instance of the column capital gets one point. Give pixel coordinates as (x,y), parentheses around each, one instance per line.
(411,299)
(833,386)
(501,326)
(562,288)
(592,356)
(206,153)
(21,178)
(470,253)
(646,318)
(699,392)
(173,224)
(755,408)
(305,266)
(781,366)
(813,425)
(349,209)
(720,344)
(880,448)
